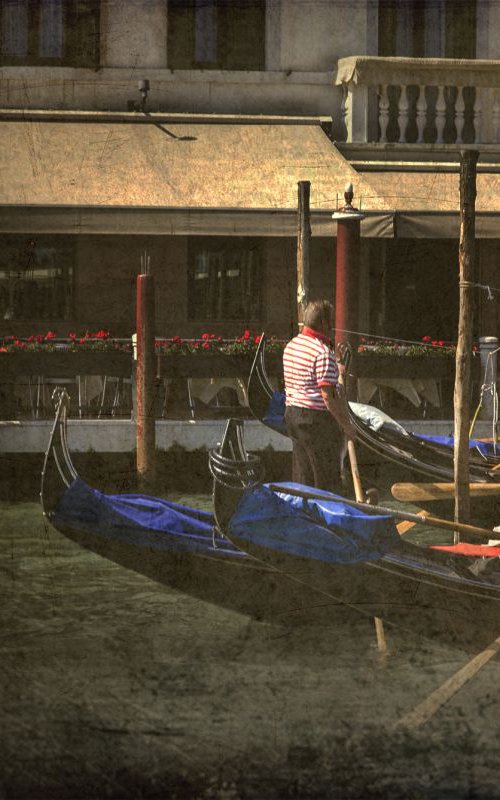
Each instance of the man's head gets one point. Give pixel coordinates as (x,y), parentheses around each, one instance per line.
(319,316)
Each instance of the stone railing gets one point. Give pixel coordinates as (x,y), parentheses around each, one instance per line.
(419,100)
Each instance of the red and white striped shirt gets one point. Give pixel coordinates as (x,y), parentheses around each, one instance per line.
(308,364)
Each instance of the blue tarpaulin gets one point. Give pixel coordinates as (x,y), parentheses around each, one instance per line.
(487,449)
(141,520)
(275,414)
(323,530)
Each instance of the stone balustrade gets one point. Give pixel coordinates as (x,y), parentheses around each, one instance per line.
(419,100)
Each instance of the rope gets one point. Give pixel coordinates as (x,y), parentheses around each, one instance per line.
(389,339)
(491,387)
(486,287)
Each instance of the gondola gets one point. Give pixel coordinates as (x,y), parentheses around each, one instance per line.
(355,553)
(422,458)
(167,542)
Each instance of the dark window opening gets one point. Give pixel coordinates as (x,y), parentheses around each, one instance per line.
(427,28)
(224,280)
(216,34)
(50,32)
(421,289)
(36,278)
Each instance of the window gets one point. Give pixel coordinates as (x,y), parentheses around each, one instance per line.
(216,34)
(49,32)
(36,278)
(224,280)
(427,28)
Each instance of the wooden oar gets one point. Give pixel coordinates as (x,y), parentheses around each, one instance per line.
(410,492)
(404,527)
(360,497)
(436,522)
(425,710)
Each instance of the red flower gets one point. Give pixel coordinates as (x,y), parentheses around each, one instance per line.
(3,350)
(257,339)
(205,336)
(72,335)
(441,343)
(50,335)
(206,345)
(360,348)
(246,335)
(362,339)
(426,338)
(82,340)
(434,343)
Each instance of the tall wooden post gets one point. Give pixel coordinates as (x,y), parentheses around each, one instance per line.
(466,251)
(145,376)
(303,242)
(348,221)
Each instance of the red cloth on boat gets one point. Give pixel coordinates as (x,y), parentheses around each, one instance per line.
(466,549)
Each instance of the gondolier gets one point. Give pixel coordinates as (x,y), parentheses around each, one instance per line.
(315,415)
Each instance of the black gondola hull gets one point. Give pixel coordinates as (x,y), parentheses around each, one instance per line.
(414,600)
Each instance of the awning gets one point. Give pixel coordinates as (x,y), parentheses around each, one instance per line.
(427,204)
(173,177)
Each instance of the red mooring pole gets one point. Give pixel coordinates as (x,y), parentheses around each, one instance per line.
(347,272)
(145,376)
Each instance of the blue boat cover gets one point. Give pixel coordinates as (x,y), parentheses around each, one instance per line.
(275,414)
(141,520)
(488,449)
(324,530)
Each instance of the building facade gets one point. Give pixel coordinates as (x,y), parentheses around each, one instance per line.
(245,98)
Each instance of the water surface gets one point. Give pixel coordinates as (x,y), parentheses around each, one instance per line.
(115,686)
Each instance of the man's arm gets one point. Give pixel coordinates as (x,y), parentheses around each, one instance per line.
(336,404)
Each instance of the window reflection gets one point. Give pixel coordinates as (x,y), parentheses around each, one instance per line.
(36,278)
(224,281)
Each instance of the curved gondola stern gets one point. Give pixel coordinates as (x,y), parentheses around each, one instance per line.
(233,470)
(266,404)
(58,472)
(259,390)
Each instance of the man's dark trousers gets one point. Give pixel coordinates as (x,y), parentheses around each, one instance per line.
(318,442)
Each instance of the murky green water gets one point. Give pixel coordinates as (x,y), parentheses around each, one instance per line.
(115,686)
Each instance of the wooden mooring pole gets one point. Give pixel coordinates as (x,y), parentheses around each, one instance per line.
(303,246)
(348,221)
(145,376)
(462,393)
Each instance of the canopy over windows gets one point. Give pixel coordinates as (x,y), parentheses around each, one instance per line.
(229,176)
(176,175)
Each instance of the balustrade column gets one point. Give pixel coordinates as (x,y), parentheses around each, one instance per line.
(403,107)
(495,116)
(459,113)
(383,117)
(421,113)
(478,117)
(440,115)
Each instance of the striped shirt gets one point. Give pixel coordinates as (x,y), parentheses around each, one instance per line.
(308,364)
